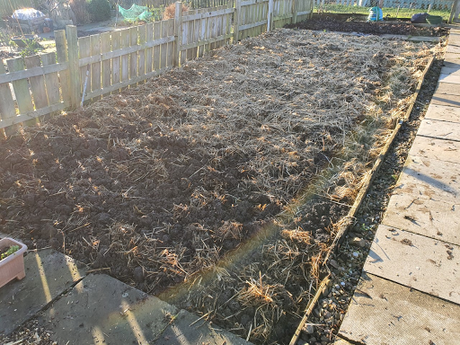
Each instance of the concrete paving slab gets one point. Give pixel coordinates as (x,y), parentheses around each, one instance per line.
(438,149)
(449,78)
(383,312)
(48,275)
(444,113)
(452,58)
(341,342)
(446,99)
(101,309)
(451,70)
(412,38)
(426,177)
(422,215)
(416,261)
(188,329)
(453,48)
(445,130)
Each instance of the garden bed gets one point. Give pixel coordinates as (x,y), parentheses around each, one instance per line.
(217,186)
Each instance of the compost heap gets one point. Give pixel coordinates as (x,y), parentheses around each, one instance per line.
(179,176)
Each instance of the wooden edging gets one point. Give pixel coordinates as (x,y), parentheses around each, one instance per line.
(348,219)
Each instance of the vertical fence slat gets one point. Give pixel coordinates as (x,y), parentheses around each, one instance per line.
(85,71)
(164,46)
(177,33)
(37,84)
(172,45)
(21,87)
(115,60)
(125,40)
(51,79)
(105,48)
(142,35)
(236,21)
(7,107)
(149,51)
(133,72)
(95,42)
(157,49)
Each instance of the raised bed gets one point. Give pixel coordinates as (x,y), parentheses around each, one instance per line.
(221,185)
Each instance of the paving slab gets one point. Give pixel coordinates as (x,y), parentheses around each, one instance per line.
(446,99)
(452,58)
(453,48)
(416,261)
(383,312)
(422,215)
(442,112)
(189,329)
(453,69)
(48,275)
(447,88)
(422,176)
(445,130)
(101,309)
(438,149)
(341,342)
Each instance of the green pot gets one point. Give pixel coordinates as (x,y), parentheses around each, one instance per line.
(434,20)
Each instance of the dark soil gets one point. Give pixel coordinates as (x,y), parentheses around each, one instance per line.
(341,23)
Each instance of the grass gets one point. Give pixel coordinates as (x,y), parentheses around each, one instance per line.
(387,11)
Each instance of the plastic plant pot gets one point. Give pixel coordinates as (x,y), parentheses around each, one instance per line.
(12,266)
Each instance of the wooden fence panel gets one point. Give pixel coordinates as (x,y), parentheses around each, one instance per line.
(37,83)
(106,40)
(7,104)
(51,79)
(282,13)
(21,87)
(253,18)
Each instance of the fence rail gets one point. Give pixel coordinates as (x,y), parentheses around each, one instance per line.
(415,4)
(88,68)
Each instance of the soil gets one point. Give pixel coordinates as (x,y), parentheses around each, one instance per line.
(4,251)
(133,183)
(358,24)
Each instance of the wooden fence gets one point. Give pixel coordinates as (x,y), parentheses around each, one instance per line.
(89,67)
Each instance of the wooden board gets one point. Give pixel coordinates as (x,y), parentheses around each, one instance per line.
(21,87)
(7,105)
(124,43)
(134,63)
(95,67)
(37,84)
(116,74)
(84,44)
(149,51)
(106,47)
(157,49)
(51,79)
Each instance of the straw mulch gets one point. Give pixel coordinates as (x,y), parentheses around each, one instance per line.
(179,180)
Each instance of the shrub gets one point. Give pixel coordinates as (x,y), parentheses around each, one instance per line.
(80,10)
(99,10)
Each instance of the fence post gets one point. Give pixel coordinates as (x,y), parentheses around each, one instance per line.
(294,11)
(74,67)
(270,16)
(236,21)
(177,32)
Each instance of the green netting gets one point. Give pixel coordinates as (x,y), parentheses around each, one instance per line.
(136,12)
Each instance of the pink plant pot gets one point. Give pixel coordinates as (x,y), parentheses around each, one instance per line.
(13,265)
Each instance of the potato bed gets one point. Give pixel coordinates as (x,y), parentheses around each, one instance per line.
(180,176)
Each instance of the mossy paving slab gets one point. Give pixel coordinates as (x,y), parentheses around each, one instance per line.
(383,312)
(416,261)
(48,274)
(440,129)
(103,310)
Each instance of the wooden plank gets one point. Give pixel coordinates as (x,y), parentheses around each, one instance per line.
(236,25)
(84,45)
(124,43)
(51,79)
(95,67)
(21,87)
(294,11)
(149,51)
(37,84)
(206,14)
(157,49)
(164,47)
(171,46)
(142,52)
(134,63)
(202,38)
(33,72)
(7,106)
(62,58)
(116,74)
(253,25)
(105,47)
